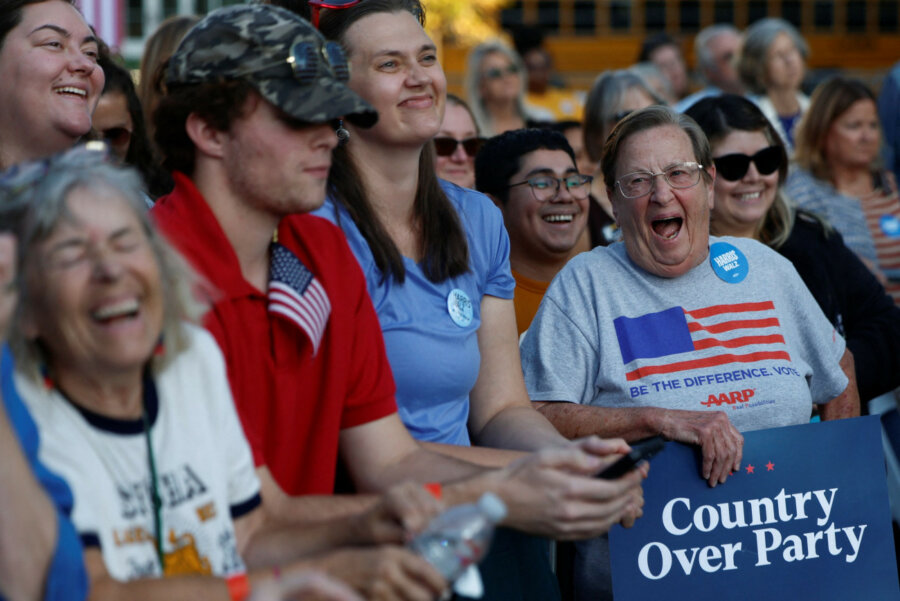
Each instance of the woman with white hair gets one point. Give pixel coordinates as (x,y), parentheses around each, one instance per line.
(772,65)
(133,404)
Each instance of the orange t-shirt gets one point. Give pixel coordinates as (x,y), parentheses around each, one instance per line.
(527,299)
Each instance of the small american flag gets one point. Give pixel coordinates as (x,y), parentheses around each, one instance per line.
(107,17)
(294,293)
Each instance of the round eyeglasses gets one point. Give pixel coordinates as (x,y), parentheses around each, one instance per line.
(545,188)
(678,176)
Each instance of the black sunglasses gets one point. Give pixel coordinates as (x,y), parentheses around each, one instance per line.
(445,146)
(497,72)
(733,167)
(117,136)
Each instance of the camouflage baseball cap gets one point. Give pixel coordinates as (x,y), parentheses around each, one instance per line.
(282,56)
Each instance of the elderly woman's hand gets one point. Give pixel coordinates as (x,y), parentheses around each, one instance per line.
(721,443)
(7,281)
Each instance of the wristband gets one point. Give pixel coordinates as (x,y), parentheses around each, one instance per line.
(238,587)
(435,489)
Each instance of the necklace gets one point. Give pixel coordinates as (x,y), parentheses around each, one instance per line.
(150,389)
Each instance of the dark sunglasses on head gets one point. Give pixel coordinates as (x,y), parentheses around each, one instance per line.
(445,146)
(497,72)
(317,5)
(304,59)
(733,167)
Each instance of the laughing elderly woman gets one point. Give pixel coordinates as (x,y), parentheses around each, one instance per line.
(134,406)
(632,337)
(675,333)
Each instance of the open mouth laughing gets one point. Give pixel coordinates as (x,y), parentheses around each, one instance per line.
(667,228)
(120,310)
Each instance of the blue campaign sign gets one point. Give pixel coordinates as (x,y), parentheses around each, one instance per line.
(807,517)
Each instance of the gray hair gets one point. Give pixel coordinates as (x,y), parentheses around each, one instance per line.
(651,73)
(473,83)
(757,40)
(705,59)
(34,198)
(649,118)
(604,102)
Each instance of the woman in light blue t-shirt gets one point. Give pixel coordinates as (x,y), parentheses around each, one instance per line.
(436,261)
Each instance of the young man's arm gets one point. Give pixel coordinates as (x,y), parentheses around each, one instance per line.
(551,492)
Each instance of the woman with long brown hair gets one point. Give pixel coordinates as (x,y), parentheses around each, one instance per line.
(436,261)
(841,177)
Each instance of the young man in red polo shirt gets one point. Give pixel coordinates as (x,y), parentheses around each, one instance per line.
(247,126)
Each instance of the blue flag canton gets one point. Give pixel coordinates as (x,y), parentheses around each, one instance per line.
(286,268)
(653,335)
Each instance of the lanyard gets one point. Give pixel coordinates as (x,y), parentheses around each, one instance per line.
(148,398)
(149,388)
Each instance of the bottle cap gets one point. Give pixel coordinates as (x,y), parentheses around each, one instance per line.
(492,506)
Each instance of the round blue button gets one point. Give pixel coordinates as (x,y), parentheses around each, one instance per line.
(728,262)
(459,306)
(890,225)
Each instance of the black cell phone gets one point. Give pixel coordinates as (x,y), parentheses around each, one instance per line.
(641,450)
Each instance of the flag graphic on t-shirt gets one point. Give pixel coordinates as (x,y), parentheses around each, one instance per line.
(297,295)
(659,343)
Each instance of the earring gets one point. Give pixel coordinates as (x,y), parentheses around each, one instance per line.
(342,134)
(45,375)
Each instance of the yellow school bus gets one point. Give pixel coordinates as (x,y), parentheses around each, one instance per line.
(589,36)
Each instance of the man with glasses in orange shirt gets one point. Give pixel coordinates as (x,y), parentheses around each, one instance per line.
(532,176)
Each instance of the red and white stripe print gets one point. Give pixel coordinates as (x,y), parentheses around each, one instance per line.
(107,19)
(309,310)
(875,207)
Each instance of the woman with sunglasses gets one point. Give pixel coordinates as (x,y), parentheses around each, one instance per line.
(495,86)
(457,143)
(436,261)
(751,166)
(119,121)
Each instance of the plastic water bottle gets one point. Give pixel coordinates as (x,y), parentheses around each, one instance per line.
(460,537)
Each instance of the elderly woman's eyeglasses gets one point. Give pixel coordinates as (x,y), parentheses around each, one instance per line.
(679,176)
(444,146)
(545,188)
